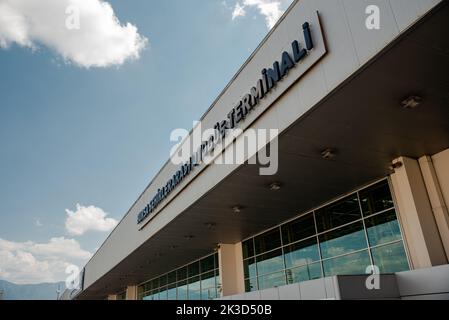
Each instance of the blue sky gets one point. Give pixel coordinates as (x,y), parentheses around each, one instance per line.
(95,136)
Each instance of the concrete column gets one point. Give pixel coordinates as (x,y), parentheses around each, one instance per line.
(131,293)
(415,213)
(230,258)
(112,297)
(436,198)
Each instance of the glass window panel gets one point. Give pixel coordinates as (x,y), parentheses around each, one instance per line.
(271,280)
(217,281)
(251,285)
(163,294)
(171,292)
(355,263)
(194,283)
(337,214)
(376,198)
(216,260)
(155,283)
(270,262)
(390,258)
(193,269)
(185,281)
(301,253)
(171,278)
(208,294)
(248,248)
(194,288)
(249,267)
(268,241)
(207,264)
(181,273)
(163,280)
(383,228)
(343,240)
(182,290)
(304,273)
(140,289)
(121,296)
(208,280)
(194,295)
(298,229)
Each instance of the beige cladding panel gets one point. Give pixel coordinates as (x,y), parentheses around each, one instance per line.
(416,216)
(441,164)
(231,269)
(439,178)
(131,293)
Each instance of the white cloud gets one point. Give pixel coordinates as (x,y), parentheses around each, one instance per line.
(39,223)
(239,11)
(60,247)
(29,262)
(100,41)
(272,10)
(88,218)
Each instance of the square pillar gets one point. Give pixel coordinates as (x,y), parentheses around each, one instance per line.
(230,259)
(420,231)
(436,198)
(131,293)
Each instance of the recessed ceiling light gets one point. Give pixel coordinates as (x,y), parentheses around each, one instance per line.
(237,209)
(411,102)
(209,225)
(275,186)
(328,154)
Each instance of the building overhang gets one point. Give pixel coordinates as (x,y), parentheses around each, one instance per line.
(362,121)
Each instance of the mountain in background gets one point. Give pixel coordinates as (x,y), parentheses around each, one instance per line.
(41,291)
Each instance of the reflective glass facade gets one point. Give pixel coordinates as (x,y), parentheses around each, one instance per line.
(121,295)
(198,280)
(344,237)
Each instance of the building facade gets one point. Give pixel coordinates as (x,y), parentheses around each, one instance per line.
(356,173)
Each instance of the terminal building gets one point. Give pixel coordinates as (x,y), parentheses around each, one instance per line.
(361,180)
